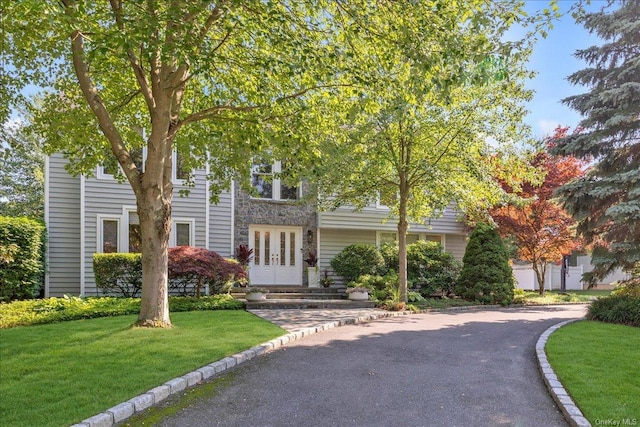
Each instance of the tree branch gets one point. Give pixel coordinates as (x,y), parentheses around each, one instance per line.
(96,104)
(138,70)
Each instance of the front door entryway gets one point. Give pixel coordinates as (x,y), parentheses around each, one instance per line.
(277,255)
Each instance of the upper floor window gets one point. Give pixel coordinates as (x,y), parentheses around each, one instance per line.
(180,171)
(110,167)
(268,185)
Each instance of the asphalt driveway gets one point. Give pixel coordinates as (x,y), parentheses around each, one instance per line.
(453,368)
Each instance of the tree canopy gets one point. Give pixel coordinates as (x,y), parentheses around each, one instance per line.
(539,227)
(221,81)
(606,201)
(422,138)
(22,173)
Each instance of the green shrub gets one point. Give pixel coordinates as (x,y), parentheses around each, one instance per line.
(415,297)
(621,309)
(429,267)
(118,274)
(389,252)
(381,287)
(357,260)
(629,288)
(50,310)
(21,258)
(486,275)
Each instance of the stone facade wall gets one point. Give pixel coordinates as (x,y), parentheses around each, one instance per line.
(249,211)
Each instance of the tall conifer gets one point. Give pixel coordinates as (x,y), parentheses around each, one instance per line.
(606,201)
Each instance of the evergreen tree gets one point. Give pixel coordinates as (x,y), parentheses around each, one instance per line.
(486,274)
(606,201)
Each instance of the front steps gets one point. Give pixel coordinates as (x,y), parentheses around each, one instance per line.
(300,297)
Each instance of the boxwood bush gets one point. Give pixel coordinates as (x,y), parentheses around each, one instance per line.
(21,258)
(357,260)
(118,274)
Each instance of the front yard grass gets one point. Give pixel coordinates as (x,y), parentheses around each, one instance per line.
(59,374)
(598,365)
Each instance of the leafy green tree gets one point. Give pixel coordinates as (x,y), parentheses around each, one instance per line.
(421,142)
(486,275)
(606,201)
(215,81)
(21,174)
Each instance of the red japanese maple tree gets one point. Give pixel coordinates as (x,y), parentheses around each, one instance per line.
(540,228)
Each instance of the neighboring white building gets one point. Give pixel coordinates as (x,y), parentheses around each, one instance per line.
(526,277)
(88,215)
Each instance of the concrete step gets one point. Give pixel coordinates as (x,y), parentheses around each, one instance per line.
(292,304)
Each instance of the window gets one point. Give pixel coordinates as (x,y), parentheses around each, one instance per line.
(108,238)
(180,171)
(135,236)
(390,237)
(267,184)
(111,167)
(182,232)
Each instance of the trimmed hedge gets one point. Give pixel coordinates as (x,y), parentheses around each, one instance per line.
(118,274)
(50,310)
(190,268)
(486,275)
(21,258)
(357,260)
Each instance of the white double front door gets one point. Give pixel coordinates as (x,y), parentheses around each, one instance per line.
(277,255)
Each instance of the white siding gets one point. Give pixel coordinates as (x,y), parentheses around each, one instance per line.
(107,197)
(372,218)
(220,225)
(456,244)
(63,226)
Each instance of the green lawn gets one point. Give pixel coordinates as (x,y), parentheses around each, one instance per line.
(599,365)
(555,297)
(59,374)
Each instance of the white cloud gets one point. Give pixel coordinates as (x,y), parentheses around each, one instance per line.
(547,126)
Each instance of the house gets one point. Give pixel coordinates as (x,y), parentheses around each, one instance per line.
(85,215)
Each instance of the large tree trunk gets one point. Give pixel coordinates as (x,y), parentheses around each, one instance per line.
(155,224)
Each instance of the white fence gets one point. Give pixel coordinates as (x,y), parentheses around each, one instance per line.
(526,278)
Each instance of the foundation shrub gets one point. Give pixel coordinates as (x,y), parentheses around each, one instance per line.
(118,274)
(429,267)
(21,258)
(357,260)
(621,309)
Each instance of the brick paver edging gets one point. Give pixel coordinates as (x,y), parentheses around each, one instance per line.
(569,409)
(121,412)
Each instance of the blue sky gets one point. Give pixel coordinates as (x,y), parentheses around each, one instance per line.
(553,59)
